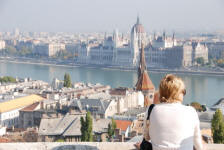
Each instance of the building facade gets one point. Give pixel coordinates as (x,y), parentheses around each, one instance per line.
(160,52)
(9,110)
(2,44)
(184,55)
(215,50)
(114,50)
(49,49)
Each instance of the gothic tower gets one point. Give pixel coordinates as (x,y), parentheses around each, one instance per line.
(144,83)
(138,36)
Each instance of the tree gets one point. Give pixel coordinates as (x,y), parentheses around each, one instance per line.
(7,79)
(67,80)
(200,60)
(218,127)
(220,63)
(25,51)
(111,128)
(60,140)
(11,50)
(83,129)
(197,106)
(86,128)
(89,126)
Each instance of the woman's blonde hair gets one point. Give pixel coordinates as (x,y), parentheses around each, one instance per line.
(170,88)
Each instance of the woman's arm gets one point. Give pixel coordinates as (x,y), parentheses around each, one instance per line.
(197,134)
(146,127)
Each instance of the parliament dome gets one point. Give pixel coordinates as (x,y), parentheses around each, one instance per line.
(138,27)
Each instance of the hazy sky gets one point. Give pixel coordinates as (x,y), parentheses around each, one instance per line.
(106,15)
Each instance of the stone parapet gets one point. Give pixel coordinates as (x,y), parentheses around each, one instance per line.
(82,146)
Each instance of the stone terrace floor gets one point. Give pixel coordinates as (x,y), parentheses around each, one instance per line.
(81,146)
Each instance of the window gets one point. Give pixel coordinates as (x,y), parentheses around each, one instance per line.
(29,123)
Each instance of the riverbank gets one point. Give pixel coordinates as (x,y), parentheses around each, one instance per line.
(205,89)
(31,61)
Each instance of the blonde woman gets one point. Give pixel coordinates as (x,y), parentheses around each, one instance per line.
(172,125)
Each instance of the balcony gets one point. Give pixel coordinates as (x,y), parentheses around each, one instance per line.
(82,146)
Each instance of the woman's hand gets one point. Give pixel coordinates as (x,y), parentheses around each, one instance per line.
(137,145)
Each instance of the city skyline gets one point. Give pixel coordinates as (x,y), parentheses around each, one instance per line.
(104,16)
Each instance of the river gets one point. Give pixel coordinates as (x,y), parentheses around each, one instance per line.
(205,89)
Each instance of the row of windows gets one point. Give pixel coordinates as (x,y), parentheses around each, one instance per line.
(9,115)
(10,122)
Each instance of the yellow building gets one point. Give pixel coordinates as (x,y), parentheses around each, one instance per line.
(9,110)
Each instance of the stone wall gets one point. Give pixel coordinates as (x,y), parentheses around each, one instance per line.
(81,146)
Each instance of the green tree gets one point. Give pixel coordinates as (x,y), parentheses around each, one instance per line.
(83,129)
(111,129)
(200,60)
(10,50)
(86,128)
(197,106)
(25,51)
(60,140)
(67,80)
(220,63)
(89,126)
(218,127)
(63,54)
(7,79)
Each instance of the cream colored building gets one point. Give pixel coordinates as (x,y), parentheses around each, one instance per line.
(49,49)
(2,44)
(199,51)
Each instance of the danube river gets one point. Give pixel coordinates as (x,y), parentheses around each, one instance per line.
(201,88)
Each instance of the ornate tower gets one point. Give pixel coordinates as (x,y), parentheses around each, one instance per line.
(144,83)
(138,36)
(115,38)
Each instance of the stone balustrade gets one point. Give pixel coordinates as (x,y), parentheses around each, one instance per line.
(82,146)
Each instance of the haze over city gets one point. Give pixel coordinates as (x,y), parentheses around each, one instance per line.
(104,16)
(86,74)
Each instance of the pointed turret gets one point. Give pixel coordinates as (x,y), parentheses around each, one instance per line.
(138,20)
(164,35)
(144,83)
(154,36)
(105,35)
(142,64)
(173,38)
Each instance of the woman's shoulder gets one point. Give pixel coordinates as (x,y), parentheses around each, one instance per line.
(190,110)
(179,106)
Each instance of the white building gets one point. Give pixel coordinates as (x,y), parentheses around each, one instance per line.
(199,51)
(2,131)
(9,110)
(2,44)
(160,52)
(115,50)
(57,84)
(164,41)
(49,49)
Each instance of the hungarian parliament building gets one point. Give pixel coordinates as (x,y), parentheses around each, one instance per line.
(160,51)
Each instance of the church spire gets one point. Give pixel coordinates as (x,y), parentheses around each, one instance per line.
(142,64)
(173,38)
(144,83)
(164,35)
(138,20)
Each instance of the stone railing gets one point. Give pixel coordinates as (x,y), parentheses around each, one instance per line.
(82,146)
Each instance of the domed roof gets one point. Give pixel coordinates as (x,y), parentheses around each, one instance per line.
(138,27)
